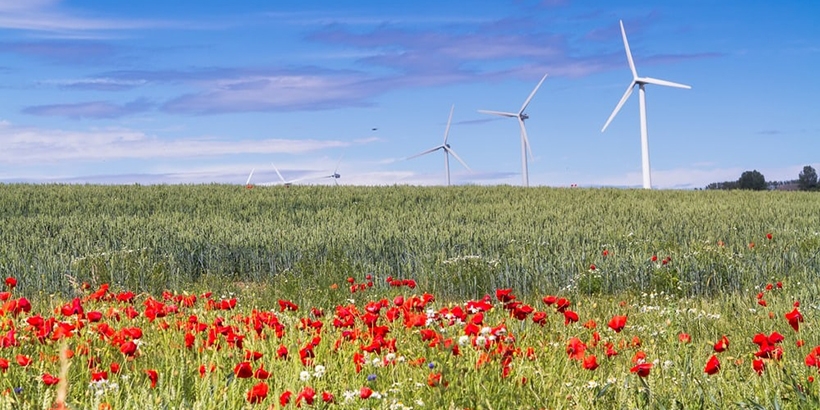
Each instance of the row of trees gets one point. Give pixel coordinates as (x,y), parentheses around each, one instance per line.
(755,181)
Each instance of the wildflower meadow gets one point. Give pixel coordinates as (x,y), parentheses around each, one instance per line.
(222,297)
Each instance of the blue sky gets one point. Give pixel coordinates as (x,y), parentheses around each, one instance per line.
(204,91)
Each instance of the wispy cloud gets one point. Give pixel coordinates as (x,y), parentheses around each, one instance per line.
(94,109)
(94,83)
(29,144)
(431,57)
(68,51)
(275,92)
(47,16)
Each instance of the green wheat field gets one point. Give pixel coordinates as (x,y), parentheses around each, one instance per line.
(222,297)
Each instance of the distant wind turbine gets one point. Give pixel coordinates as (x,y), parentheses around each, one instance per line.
(248,182)
(335,175)
(525,142)
(282,179)
(446,148)
(640,82)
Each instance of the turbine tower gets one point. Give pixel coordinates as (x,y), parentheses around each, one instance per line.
(521,116)
(640,82)
(446,148)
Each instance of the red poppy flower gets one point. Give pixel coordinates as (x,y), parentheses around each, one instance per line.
(307,394)
(712,365)
(434,379)
(4,364)
(99,376)
(152,376)
(684,338)
(504,295)
(23,360)
(282,352)
(129,348)
(794,317)
(642,369)
(562,304)
(11,282)
(576,349)
(243,370)
(284,398)
(261,373)
(722,344)
(617,323)
(327,397)
(539,318)
(365,392)
(50,380)
(591,362)
(758,366)
(813,358)
(570,317)
(769,236)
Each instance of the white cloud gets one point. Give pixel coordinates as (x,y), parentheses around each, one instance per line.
(30,144)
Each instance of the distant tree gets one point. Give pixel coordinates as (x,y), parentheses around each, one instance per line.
(726,185)
(752,180)
(807,180)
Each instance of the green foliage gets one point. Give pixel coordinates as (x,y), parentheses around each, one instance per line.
(752,180)
(807,179)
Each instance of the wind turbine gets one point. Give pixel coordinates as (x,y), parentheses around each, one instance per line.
(446,148)
(248,182)
(335,175)
(525,142)
(281,178)
(640,82)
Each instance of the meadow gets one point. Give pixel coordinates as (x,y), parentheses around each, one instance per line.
(215,297)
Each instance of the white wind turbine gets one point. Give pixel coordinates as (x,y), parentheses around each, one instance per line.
(640,82)
(446,148)
(281,178)
(525,142)
(335,175)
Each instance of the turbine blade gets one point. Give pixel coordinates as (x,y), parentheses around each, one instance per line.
(628,53)
(277,173)
(425,152)
(526,140)
(649,80)
(620,104)
(503,114)
(532,94)
(335,170)
(447,130)
(248,182)
(450,151)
